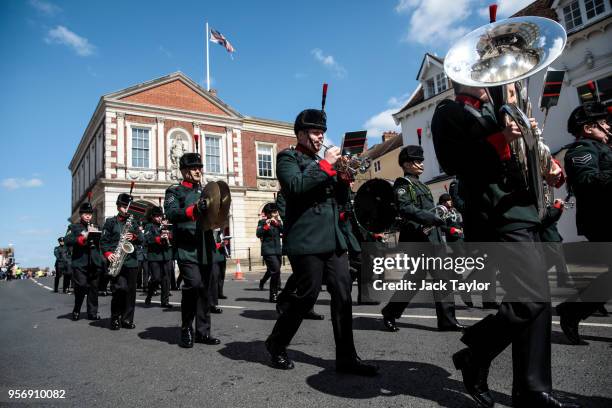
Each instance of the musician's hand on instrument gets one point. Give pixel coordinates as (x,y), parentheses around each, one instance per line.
(202,205)
(533,123)
(560,204)
(511,132)
(112,257)
(130,236)
(332,155)
(438,221)
(554,175)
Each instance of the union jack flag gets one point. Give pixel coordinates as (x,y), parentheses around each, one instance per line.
(218,38)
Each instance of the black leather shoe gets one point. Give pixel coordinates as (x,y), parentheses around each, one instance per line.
(474,378)
(166,305)
(75,316)
(222,297)
(451,327)
(534,399)
(186,339)
(211,341)
(216,310)
(312,315)
(569,324)
(93,317)
(115,324)
(467,299)
(273,297)
(490,305)
(602,311)
(390,324)
(128,325)
(148,301)
(357,367)
(261,285)
(280,359)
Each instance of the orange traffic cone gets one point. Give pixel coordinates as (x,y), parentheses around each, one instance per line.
(238,274)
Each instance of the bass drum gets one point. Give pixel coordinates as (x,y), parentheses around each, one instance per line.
(374,206)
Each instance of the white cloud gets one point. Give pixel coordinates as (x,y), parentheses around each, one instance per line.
(399,101)
(381,122)
(435,22)
(165,51)
(62,35)
(15,183)
(329,62)
(45,7)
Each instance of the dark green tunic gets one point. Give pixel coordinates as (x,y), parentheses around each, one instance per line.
(191,244)
(111,233)
(157,248)
(270,236)
(82,254)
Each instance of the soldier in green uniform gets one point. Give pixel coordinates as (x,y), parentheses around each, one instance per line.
(588,163)
(62,265)
(414,202)
(471,144)
(314,243)
(86,263)
(269,232)
(123,285)
(183,206)
(157,239)
(218,261)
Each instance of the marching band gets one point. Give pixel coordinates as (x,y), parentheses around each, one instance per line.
(316,227)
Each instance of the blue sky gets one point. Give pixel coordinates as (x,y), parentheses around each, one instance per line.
(59,57)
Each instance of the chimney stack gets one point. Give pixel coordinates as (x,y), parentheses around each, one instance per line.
(388,135)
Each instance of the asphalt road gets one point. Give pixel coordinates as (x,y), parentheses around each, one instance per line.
(42,349)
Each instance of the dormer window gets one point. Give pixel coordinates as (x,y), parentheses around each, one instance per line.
(435,85)
(579,12)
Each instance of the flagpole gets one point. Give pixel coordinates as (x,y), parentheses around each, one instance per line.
(207,63)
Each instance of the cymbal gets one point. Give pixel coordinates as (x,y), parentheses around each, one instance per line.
(226,202)
(212,194)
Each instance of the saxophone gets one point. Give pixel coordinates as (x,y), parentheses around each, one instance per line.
(124,247)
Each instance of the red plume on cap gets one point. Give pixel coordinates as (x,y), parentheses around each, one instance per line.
(591,86)
(492,13)
(419,133)
(89,194)
(196,139)
(324,97)
(132,187)
(446,188)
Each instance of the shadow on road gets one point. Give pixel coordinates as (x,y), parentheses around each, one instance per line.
(260,314)
(412,379)
(168,335)
(559,338)
(375,323)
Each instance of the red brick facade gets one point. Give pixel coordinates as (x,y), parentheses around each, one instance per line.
(249,152)
(177,95)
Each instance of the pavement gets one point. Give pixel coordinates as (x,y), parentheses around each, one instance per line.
(42,349)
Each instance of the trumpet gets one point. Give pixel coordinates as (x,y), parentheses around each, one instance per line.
(166,229)
(349,164)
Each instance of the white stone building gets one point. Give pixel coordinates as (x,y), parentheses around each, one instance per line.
(587,60)
(137,134)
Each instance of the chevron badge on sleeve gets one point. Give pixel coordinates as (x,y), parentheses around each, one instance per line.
(582,159)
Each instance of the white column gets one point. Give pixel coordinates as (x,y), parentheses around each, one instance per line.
(229,155)
(121,164)
(238,144)
(161,151)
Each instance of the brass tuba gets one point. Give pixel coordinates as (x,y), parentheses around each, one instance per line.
(503,55)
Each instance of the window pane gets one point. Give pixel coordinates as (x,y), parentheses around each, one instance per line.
(593,8)
(213,154)
(140,147)
(264,161)
(430,88)
(572,15)
(440,83)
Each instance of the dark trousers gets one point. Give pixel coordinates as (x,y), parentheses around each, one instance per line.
(444,301)
(159,274)
(221,281)
(273,265)
(61,270)
(124,294)
(555,257)
(309,272)
(172,277)
(526,325)
(213,287)
(194,302)
(600,288)
(103,282)
(85,281)
(143,275)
